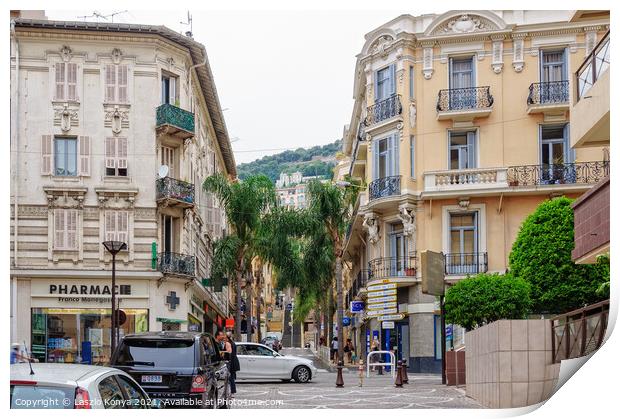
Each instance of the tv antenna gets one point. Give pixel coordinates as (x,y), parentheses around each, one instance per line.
(188,23)
(99,15)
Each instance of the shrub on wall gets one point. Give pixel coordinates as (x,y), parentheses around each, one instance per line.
(485,298)
(541,255)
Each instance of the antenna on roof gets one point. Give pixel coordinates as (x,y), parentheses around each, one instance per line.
(189,33)
(98,15)
(116,13)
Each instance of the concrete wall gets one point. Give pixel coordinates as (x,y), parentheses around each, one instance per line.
(508,363)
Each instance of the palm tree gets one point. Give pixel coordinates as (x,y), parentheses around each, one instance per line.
(245,204)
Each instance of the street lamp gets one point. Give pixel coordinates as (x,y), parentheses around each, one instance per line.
(114,247)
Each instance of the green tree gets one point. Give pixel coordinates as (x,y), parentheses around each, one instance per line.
(541,255)
(485,298)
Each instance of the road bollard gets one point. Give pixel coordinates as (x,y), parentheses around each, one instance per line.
(405,377)
(339,380)
(360,370)
(399,375)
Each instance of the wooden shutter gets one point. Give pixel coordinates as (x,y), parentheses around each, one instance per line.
(110,153)
(72,81)
(121,152)
(59,228)
(60,81)
(375,159)
(122,226)
(110,83)
(122,83)
(84,155)
(46,155)
(110,225)
(71,238)
(471,150)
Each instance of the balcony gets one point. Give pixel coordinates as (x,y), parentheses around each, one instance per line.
(174,121)
(383,110)
(174,193)
(555,174)
(465,180)
(464,104)
(591,129)
(357,285)
(466,263)
(384,187)
(550,98)
(176,264)
(392,267)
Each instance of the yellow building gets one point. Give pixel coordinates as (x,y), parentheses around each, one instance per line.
(460,128)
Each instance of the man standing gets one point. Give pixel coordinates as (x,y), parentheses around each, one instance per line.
(233,363)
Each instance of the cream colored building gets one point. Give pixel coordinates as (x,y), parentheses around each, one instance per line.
(114,127)
(461,126)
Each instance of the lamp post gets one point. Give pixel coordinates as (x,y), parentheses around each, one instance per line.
(114,247)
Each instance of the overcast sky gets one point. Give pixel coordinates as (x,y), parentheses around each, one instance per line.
(285,79)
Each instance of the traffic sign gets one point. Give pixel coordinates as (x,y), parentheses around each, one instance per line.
(346,321)
(356,306)
(381,299)
(381,287)
(382,293)
(390,317)
(387,325)
(382,305)
(382,312)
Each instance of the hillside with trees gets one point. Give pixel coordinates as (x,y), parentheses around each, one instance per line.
(314,161)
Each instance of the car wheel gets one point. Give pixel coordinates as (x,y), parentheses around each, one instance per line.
(301,374)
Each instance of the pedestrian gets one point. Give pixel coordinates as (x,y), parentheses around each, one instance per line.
(233,363)
(348,349)
(374,347)
(334,348)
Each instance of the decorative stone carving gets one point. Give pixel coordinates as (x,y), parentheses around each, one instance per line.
(517,55)
(590,42)
(117,55)
(407,217)
(117,118)
(381,45)
(116,198)
(66,53)
(413,112)
(464,202)
(465,23)
(498,57)
(170,61)
(64,197)
(66,116)
(371,224)
(400,127)
(427,62)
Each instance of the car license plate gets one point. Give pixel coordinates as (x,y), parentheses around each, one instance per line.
(151,379)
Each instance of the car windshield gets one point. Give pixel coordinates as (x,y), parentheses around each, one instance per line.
(42,397)
(156,353)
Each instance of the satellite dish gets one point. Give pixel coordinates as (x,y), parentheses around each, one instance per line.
(163,171)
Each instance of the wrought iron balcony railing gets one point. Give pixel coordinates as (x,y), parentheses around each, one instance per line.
(467,98)
(392,267)
(580,332)
(382,110)
(176,263)
(593,66)
(359,282)
(177,118)
(466,263)
(169,188)
(546,93)
(563,173)
(385,186)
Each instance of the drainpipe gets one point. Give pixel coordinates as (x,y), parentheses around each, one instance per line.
(15,185)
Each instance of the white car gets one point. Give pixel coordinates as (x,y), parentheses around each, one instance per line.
(74,386)
(258,362)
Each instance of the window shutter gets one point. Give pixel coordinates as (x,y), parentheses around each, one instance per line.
(122,225)
(110,225)
(412,155)
(375,159)
(376,83)
(46,155)
(110,82)
(471,150)
(394,164)
(84,155)
(121,152)
(393,79)
(122,83)
(110,152)
(59,229)
(71,229)
(72,81)
(60,81)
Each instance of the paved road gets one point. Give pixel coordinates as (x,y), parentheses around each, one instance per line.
(423,391)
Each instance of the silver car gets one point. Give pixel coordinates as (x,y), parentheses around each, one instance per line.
(74,386)
(258,362)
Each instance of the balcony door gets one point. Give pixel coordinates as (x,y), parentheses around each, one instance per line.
(169,234)
(462,77)
(385,152)
(552,72)
(168,158)
(463,258)
(555,152)
(168,89)
(462,150)
(385,83)
(398,251)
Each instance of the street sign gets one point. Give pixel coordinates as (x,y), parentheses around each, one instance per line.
(382,305)
(356,306)
(381,287)
(449,331)
(382,293)
(432,265)
(387,325)
(346,321)
(381,299)
(381,312)
(391,317)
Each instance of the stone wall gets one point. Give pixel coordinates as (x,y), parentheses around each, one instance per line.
(508,363)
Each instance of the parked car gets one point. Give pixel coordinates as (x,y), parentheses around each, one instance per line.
(258,362)
(74,386)
(182,369)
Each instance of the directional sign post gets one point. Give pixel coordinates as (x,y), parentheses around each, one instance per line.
(374,313)
(387,325)
(391,317)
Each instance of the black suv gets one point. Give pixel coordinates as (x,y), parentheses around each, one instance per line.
(181,369)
